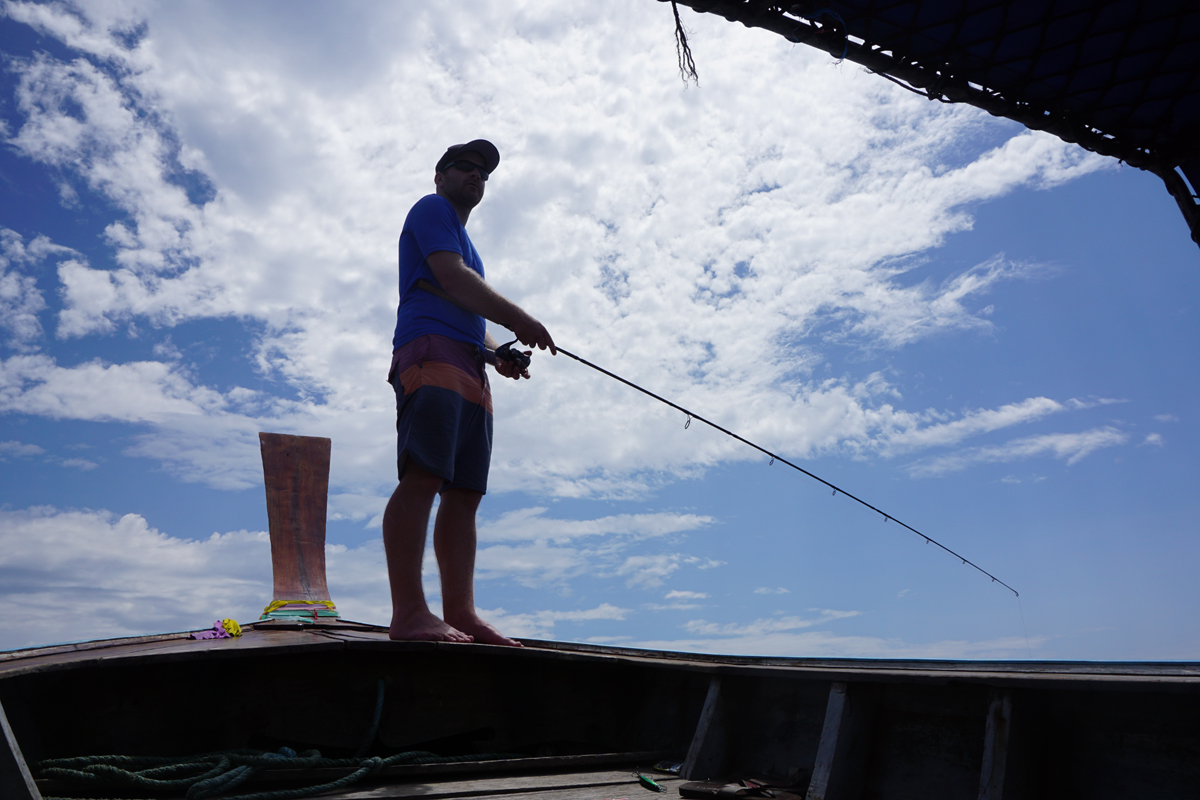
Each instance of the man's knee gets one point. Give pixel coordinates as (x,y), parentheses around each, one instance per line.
(419,481)
(464,499)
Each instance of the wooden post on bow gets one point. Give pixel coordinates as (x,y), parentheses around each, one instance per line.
(296,474)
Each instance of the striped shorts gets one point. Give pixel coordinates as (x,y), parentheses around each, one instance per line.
(443,411)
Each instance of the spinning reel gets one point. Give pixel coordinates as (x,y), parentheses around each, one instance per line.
(507,352)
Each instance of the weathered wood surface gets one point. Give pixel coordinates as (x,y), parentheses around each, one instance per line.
(296,474)
(1149,676)
(83,647)
(547,786)
(167,649)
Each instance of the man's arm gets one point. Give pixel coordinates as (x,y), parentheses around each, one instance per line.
(473,293)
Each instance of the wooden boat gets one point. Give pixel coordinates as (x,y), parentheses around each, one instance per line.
(553,720)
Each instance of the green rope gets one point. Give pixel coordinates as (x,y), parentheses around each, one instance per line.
(213,774)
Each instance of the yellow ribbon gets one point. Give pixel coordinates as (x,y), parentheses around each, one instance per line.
(276,604)
(231,627)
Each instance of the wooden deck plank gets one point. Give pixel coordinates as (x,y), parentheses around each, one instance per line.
(425,772)
(587,784)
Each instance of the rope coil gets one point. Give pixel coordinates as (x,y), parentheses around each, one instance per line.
(215,774)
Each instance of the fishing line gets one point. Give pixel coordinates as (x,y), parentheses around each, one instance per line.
(1024,630)
(692,415)
(508,353)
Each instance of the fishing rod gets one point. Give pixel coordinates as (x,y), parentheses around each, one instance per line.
(507,352)
(774,457)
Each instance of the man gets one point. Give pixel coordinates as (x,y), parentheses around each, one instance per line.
(443,401)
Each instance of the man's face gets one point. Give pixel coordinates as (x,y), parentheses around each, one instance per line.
(460,186)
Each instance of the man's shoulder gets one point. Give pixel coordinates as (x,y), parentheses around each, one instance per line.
(432,207)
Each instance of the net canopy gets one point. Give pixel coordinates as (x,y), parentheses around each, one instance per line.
(1121,78)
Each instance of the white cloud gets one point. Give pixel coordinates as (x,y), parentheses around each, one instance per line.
(90,30)
(924,310)
(57,561)
(677,594)
(135,578)
(648,572)
(766,626)
(971,423)
(1029,479)
(1071,447)
(19,449)
(530,565)
(1155,439)
(532,524)
(541,624)
(79,463)
(540,564)
(139,391)
(768,590)
(1166,418)
(20,299)
(681,255)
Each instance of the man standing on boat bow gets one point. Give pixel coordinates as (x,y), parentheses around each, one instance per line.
(443,401)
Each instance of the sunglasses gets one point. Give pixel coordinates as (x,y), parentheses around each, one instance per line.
(468,166)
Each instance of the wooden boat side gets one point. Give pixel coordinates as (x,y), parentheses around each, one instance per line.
(855,726)
(849,728)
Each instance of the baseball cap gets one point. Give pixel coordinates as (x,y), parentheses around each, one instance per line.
(491,156)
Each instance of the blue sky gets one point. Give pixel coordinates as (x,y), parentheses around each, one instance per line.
(986,332)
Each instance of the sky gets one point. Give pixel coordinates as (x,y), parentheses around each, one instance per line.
(986,332)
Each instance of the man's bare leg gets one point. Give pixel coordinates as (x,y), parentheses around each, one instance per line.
(454,540)
(405,523)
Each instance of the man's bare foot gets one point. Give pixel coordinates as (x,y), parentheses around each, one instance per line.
(482,632)
(424,627)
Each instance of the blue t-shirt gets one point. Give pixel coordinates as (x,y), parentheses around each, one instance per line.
(433,225)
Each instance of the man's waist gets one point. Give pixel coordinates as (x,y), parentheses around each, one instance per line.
(436,347)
